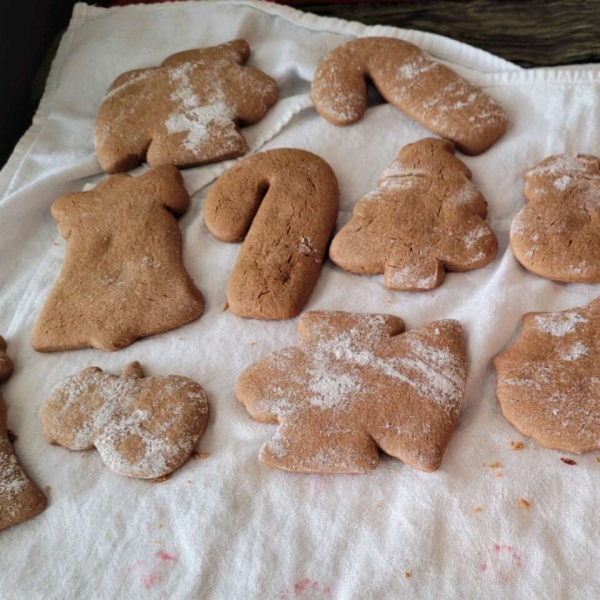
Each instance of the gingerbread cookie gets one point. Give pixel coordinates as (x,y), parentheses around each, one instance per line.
(142,427)
(357,383)
(6,365)
(549,379)
(20,498)
(424,90)
(426,217)
(123,277)
(283,204)
(557,233)
(186,112)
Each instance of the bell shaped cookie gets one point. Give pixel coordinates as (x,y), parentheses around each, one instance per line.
(123,277)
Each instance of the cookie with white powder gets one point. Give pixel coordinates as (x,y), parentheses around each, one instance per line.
(123,277)
(355,384)
(186,112)
(20,498)
(406,77)
(143,427)
(425,218)
(549,379)
(557,233)
(283,204)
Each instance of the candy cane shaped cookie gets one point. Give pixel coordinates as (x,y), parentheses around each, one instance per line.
(424,90)
(283,204)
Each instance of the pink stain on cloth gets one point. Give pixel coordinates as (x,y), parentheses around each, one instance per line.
(307,589)
(501,561)
(155,571)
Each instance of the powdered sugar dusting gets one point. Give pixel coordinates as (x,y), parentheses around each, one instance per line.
(559,324)
(199,118)
(575,352)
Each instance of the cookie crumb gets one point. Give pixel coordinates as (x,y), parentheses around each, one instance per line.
(252,343)
(478,509)
(517,445)
(499,474)
(568,461)
(48,489)
(199,455)
(523,503)
(377,504)
(189,481)
(597,458)
(160,525)
(496,465)
(407,574)
(12,436)
(225,307)
(159,479)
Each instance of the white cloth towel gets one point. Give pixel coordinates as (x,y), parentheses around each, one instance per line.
(227,527)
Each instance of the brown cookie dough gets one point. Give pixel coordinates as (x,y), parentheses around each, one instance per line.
(186,112)
(6,365)
(424,90)
(143,427)
(123,277)
(557,233)
(354,384)
(283,203)
(425,217)
(549,379)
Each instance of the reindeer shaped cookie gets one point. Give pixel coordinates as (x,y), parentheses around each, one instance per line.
(185,112)
(425,217)
(357,383)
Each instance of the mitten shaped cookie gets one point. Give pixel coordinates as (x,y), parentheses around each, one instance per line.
(557,233)
(186,112)
(357,383)
(142,427)
(283,204)
(6,365)
(424,90)
(549,379)
(425,217)
(123,277)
